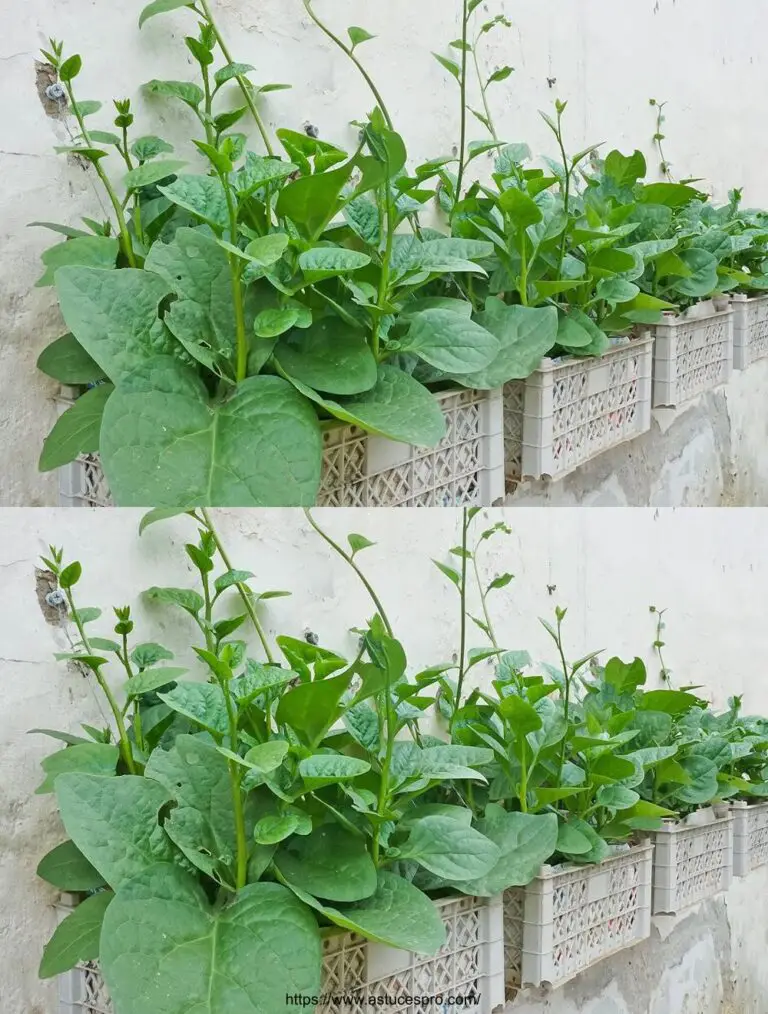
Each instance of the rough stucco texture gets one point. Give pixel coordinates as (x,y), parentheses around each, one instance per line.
(606,566)
(572,49)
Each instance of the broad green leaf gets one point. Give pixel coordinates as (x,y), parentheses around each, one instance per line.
(359,35)
(571,334)
(449,849)
(450,342)
(161,7)
(671,702)
(149,146)
(572,842)
(703,279)
(310,709)
(525,842)
(259,171)
(522,210)
(165,444)
(398,407)
(329,863)
(450,65)
(151,172)
(617,797)
(114,316)
(703,787)
(398,914)
(616,290)
(152,679)
(267,757)
(77,937)
(525,335)
(626,677)
(626,170)
(670,195)
(202,195)
(598,343)
(311,201)
(114,822)
(327,768)
(267,250)
(92,758)
(145,655)
(83,251)
(273,828)
(330,356)
(185,598)
(246,956)
(203,703)
(202,825)
(257,678)
(328,261)
(67,868)
(77,431)
(190,94)
(599,848)
(67,361)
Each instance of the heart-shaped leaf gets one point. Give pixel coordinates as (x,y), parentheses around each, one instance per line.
(450,342)
(165,444)
(165,950)
(76,938)
(329,356)
(77,431)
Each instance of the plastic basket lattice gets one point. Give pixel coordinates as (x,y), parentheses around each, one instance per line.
(359,976)
(567,919)
(691,863)
(693,353)
(569,411)
(360,470)
(750,330)
(750,837)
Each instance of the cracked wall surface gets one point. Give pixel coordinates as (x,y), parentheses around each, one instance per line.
(607,567)
(572,49)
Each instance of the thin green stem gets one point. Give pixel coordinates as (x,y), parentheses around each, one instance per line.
(235,779)
(350,53)
(242,82)
(386,263)
(483,90)
(208,609)
(566,699)
(348,558)
(125,236)
(566,192)
(209,133)
(236,271)
(125,743)
(463,595)
(483,597)
(242,589)
(463,91)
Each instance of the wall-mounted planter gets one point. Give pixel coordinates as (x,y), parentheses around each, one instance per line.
(691,862)
(570,410)
(750,837)
(470,965)
(693,353)
(570,917)
(750,329)
(360,470)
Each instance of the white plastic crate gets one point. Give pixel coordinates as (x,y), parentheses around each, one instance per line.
(750,329)
(360,470)
(693,353)
(570,410)
(570,917)
(359,976)
(750,837)
(691,863)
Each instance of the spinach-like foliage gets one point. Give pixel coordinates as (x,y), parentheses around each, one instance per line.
(227,823)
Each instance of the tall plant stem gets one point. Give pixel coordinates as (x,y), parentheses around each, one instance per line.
(567,698)
(125,744)
(483,597)
(242,82)
(465,519)
(566,193)
(348,558)
(235,778)
(349,52)
(242,590)
(125,236)
(483,92)
(463,90)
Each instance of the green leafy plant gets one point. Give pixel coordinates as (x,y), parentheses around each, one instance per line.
(262,807)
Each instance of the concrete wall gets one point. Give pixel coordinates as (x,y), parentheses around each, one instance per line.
(709,452)
(607,567)
(606,59)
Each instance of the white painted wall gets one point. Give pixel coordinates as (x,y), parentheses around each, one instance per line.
(607,59)
(708,567)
